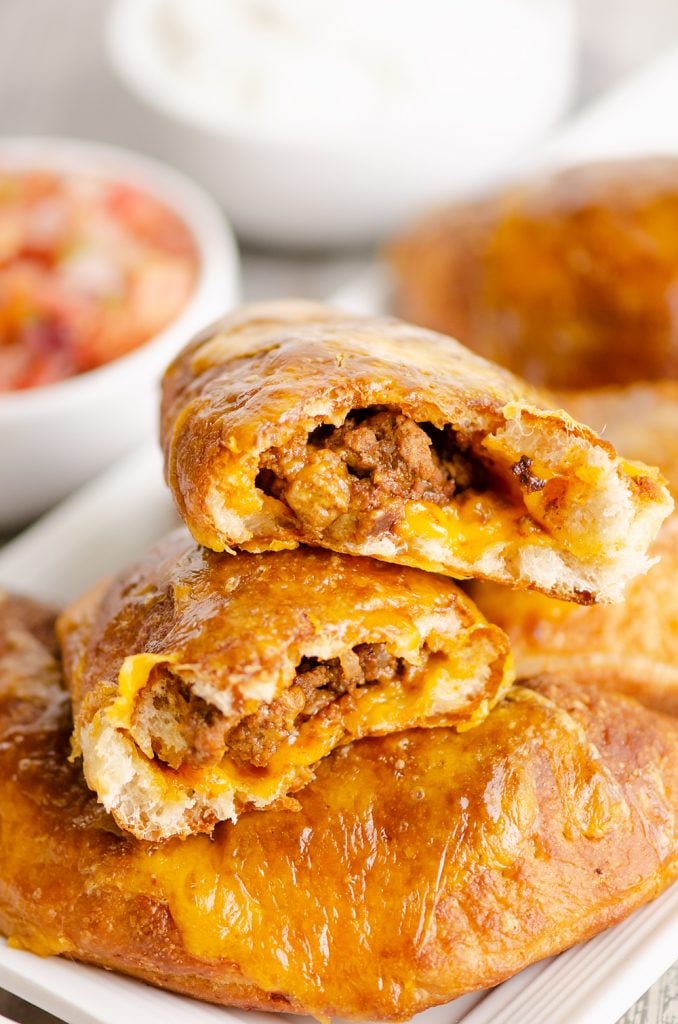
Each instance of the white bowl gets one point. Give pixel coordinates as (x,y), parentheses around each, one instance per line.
(508,67)
(55,437)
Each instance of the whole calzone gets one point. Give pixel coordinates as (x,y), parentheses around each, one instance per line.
(416,866)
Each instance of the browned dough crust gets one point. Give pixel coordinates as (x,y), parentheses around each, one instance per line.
(416,868)
(290,423)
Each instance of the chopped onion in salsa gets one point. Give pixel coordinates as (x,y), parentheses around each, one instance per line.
(89,270)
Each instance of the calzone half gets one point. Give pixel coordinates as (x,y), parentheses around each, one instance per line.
(290,423)
(204,684)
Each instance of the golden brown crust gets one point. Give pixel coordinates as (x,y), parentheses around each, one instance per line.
(30,672)
(23,621)
(568,280)
(557,510)
(204,683)
(417,867)
(631,647)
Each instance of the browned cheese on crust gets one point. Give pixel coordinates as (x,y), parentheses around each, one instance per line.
(415,868)
(207,683)
(290,423)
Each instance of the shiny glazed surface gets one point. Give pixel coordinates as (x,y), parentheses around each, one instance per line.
(242,621)
(234,631)
(418,867)
(569,280)
(267,376)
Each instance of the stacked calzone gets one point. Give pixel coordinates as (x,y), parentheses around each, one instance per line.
(205,684)
(280,762)
(291,424)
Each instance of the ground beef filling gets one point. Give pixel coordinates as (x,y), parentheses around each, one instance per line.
(354,480)
(183,729)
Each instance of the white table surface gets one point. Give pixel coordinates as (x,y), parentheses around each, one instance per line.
(54,79)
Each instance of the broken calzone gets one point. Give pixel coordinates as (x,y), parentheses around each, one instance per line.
(290,423)
(207,683)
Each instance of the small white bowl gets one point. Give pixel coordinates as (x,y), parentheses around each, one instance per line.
(507,66)
(55,437)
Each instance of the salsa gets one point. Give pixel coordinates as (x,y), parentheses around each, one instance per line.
(89,270)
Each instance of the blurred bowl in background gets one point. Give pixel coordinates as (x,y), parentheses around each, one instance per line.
(320,124)
(54,437)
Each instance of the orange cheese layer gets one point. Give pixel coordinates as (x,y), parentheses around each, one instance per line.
(435,696)
(468,528)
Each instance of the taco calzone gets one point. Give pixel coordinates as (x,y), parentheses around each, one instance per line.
(290,423)
(205,684)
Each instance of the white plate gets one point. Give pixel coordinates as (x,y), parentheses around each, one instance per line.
(97,531)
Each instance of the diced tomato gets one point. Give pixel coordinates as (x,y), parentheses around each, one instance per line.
(89,270)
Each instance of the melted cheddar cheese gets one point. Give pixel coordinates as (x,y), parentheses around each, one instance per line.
(468,528)
(436,695)
(132,678)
